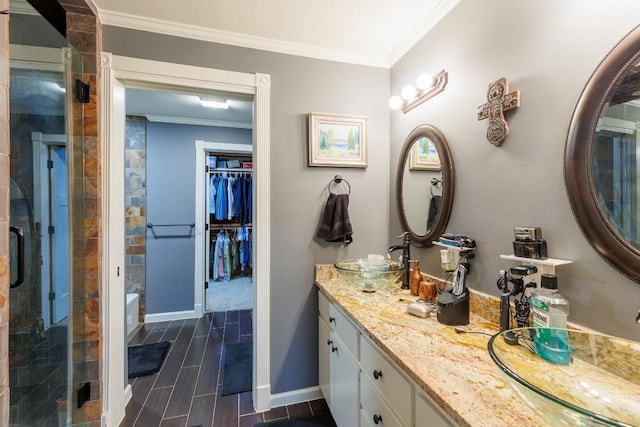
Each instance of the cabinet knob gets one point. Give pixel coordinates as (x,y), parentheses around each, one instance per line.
(377,374)
(332,320)
(377,419)
(334,349)
(329,342)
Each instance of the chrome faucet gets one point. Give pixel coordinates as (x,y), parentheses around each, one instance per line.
(406,256)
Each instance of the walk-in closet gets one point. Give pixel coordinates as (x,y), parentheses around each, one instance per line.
(230,213)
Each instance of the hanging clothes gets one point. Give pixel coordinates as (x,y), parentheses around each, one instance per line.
(221,198)
(230,197)
(213,182)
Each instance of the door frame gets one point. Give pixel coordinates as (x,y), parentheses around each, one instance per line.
(117,73)
(202,234)
(41,201)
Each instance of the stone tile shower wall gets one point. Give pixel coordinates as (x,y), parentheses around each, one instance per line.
(136,205)
(84,33)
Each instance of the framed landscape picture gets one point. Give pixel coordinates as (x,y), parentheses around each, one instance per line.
(424,155)
(337,140)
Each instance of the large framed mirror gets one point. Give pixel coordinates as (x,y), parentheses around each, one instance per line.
(602,158)
(425,185)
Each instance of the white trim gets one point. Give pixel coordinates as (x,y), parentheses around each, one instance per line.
(41,142)
(198,122)
(420,30)
(114,384)
(262,244)
(144,23)
(171,315)
(37,58)
(118,71)
(296,396)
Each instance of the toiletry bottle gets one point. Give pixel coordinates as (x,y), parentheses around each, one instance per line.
(416,277)
(550,310)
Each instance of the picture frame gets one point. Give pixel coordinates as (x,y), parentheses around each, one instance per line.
(424,155)
(337,140)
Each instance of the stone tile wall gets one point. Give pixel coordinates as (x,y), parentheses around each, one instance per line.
(136,205)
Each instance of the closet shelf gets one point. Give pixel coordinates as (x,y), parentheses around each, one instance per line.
(248,170)
(228,225)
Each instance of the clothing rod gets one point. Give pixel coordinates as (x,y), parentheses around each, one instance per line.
(150,225)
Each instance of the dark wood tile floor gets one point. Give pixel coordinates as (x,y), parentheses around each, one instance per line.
(185,393)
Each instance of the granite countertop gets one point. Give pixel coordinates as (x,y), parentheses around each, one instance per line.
(453,368)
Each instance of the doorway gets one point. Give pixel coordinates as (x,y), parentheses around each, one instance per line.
(119,73)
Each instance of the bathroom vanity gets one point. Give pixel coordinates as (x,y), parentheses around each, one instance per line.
(379,365)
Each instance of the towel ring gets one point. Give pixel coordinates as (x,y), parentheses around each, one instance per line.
(434,182)
(337,180)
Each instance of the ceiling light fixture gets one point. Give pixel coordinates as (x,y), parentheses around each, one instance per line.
(214,103)
(428,86)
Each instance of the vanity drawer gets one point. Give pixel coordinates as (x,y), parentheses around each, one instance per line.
(345,329)
(373,410)
(390,383)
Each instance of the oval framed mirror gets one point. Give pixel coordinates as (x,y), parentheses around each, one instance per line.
(602,158)
(425,185)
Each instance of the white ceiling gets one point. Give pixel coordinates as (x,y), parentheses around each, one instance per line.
(370,32)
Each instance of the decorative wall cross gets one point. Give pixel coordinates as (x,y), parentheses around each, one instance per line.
(499,100)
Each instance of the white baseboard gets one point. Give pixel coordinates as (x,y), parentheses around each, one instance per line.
(174,315)
(128,393)
(296,396)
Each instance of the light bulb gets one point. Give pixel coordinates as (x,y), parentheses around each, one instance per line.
(425,81)
(395,102)
(408,92)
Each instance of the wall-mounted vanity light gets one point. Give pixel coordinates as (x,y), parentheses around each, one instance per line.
(427,86)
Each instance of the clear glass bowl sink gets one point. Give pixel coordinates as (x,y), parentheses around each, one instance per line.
(600,386)
(369,276)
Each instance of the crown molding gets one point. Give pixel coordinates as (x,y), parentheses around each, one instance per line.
(430,21)
(198,122)
(153,25)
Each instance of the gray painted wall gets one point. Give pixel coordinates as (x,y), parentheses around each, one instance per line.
(547,50)
(171,200)
(298,192)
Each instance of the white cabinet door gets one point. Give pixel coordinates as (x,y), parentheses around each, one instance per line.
(324,358)
(344,385)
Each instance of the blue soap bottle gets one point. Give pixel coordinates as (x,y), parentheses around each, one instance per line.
(550,311)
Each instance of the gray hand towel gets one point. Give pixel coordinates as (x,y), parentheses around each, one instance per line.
(335,225)
(434,208)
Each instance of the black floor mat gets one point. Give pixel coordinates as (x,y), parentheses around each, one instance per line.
(146,359)
(238,368)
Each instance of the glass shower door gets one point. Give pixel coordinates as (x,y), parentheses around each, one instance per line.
(45,204)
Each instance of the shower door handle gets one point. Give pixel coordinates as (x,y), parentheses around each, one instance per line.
(20,237)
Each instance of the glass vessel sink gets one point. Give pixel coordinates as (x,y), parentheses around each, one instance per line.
(369,276)
(599,386)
